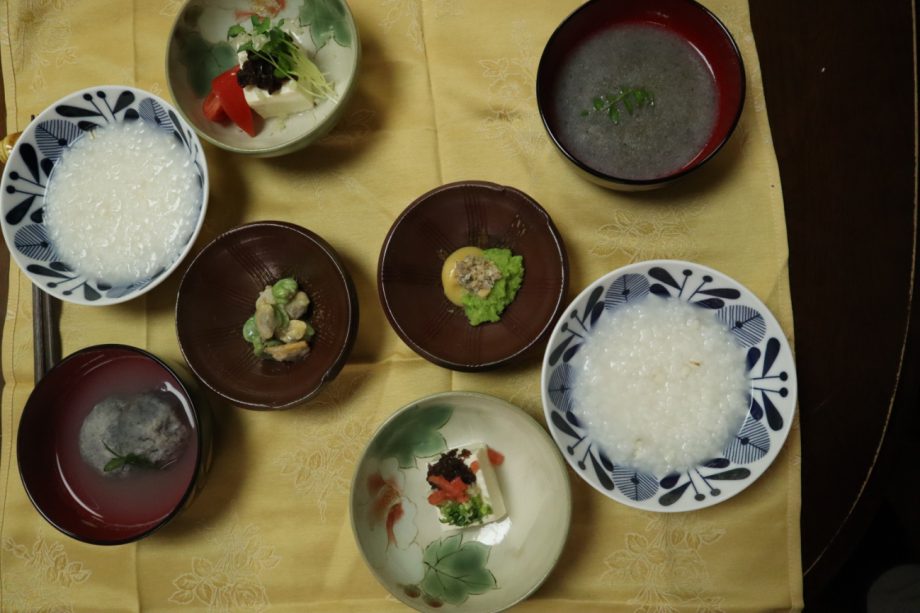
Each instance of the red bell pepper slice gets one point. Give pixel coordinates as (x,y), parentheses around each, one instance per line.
(232,100)
(212,109)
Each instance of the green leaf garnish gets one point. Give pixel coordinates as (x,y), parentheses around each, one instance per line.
(289,61)
(461,514)
(120,461)
(114,464)
(631,99)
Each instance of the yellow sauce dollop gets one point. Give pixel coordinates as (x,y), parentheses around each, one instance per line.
(452,288)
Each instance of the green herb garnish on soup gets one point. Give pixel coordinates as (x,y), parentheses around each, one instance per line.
(630,99)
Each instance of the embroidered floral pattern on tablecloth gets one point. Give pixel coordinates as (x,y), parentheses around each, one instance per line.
(662,232)
(353,128)
(171,8)
(232,579)
(526,393)
(45,20)
(331,440)
(666,563)
(407,16)
(38,578)
(513,121)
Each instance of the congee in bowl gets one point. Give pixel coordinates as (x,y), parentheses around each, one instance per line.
(668,386)
(662,384)
(103,195)
(636,94)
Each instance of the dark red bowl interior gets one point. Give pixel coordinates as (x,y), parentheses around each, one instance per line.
(64,489)
(218,294)
(686,18)
(483,215)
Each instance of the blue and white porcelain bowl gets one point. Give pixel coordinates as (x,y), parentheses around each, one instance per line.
(768,365)
(25,180)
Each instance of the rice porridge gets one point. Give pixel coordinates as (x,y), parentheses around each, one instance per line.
(122,202)
(661,385)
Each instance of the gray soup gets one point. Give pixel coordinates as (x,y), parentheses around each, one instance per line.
(655,130)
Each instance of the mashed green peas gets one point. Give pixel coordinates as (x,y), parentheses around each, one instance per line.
(489,309)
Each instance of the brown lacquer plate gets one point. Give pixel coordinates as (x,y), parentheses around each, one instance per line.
(484,215)
(218,295)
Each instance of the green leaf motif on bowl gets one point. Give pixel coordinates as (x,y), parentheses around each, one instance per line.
(327,19)
(414,434)
(203,60)
(454,570)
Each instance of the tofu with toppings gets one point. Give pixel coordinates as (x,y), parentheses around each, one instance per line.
(286,101)
(465,487)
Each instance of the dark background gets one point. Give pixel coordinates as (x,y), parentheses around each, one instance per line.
(840,83)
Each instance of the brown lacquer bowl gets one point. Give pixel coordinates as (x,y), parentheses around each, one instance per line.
(218,294)
(484,215)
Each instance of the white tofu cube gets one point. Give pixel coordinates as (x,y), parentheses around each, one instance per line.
(486,486)
(283,102)
(286,101)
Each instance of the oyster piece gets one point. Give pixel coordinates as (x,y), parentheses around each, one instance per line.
(289,352)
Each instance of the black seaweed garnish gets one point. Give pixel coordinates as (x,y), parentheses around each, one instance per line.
(451,465)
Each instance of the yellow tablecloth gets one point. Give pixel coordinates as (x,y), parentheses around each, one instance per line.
(446,93)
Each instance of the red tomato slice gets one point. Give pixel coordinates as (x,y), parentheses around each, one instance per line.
(439,482)
(495,458)
(231,98)
(455,489)
(212,109)
(436,497)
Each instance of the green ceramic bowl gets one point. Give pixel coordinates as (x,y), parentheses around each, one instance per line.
(197,52)
(487,568)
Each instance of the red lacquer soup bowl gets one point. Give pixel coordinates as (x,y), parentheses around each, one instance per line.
(114,497)
(638,93)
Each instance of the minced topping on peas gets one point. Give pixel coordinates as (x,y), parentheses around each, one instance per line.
(477,274)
